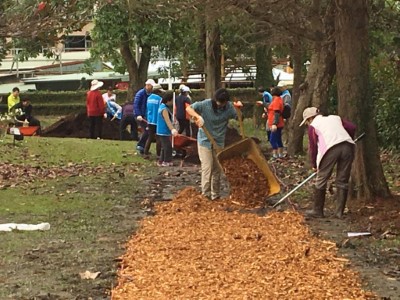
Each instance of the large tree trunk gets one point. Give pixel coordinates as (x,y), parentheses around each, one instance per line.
(213,59)
(131,66)
(314,91)
(143,65)
(137,74)
(355,103)
(264,76)
(297,54)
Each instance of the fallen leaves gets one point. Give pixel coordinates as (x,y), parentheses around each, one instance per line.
(12,175)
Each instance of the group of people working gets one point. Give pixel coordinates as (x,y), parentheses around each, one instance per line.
(330,137)
(104,106)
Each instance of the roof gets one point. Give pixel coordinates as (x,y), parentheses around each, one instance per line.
(41,61)
(77,76)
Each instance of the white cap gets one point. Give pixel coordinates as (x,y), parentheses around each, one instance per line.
(185,89)
(150,81)
(308,113)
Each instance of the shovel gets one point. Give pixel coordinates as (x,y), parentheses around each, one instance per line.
(247,148)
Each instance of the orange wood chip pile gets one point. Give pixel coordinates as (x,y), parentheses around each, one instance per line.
(192,249)
(243,181)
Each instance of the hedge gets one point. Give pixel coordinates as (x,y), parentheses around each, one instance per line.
(63,103)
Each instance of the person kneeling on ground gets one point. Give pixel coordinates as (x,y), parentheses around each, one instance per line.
(164,130)
(113,110)
(214,115)
(128,118)
(330,143)
(26,117)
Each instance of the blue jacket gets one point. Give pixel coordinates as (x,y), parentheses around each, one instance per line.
(153,102)
(140,103)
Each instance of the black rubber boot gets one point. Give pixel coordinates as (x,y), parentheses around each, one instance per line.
(341,202)
(319,202)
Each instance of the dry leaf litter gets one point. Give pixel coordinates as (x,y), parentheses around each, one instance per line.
(194,249)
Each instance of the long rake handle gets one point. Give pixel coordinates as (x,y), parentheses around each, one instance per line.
(295,189)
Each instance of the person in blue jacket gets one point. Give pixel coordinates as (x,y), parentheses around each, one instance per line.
(153,102)
(140,107)
(165,129)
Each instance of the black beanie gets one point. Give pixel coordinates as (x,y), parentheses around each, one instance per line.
(222,95)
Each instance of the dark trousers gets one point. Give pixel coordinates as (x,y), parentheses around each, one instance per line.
(125,121)
(145,134)
(152,136)
(341,155)
(96,122)
(166,148)
(184,125)
(275,139)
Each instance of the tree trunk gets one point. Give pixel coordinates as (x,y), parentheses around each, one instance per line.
(137,74)
(144,65)
(297,54)
(185,65)
(213,59)
(132,68)
(264,66)
(314,91)
(355,102)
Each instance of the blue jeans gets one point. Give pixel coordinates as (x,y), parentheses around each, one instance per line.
(275,139)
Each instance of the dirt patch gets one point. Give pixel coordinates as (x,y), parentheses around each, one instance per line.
(77,125)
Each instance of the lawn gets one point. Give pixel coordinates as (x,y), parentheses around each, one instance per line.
(90,193)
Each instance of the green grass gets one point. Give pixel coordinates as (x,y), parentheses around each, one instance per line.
(90,215)
(58,151)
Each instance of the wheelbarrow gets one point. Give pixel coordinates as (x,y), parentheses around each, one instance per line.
(180,143)
(246,148)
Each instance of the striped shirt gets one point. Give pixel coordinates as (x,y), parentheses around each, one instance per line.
(215,121)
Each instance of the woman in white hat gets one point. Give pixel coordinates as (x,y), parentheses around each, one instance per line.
(330,143)
(95,109)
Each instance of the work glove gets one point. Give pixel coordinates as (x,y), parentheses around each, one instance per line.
(174,132)
(238,104)
(200,121)
(274,128)
(139,118)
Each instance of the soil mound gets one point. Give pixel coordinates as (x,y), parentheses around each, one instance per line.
(77,125)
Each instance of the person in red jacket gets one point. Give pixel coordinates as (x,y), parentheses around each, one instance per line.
(95,109)
(275,123)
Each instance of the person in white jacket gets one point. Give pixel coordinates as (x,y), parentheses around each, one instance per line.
(330,144)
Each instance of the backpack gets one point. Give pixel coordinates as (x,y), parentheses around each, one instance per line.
(287,111)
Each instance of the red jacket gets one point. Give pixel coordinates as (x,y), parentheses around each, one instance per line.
(94,104)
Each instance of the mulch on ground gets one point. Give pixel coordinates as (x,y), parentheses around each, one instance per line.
(194,249)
